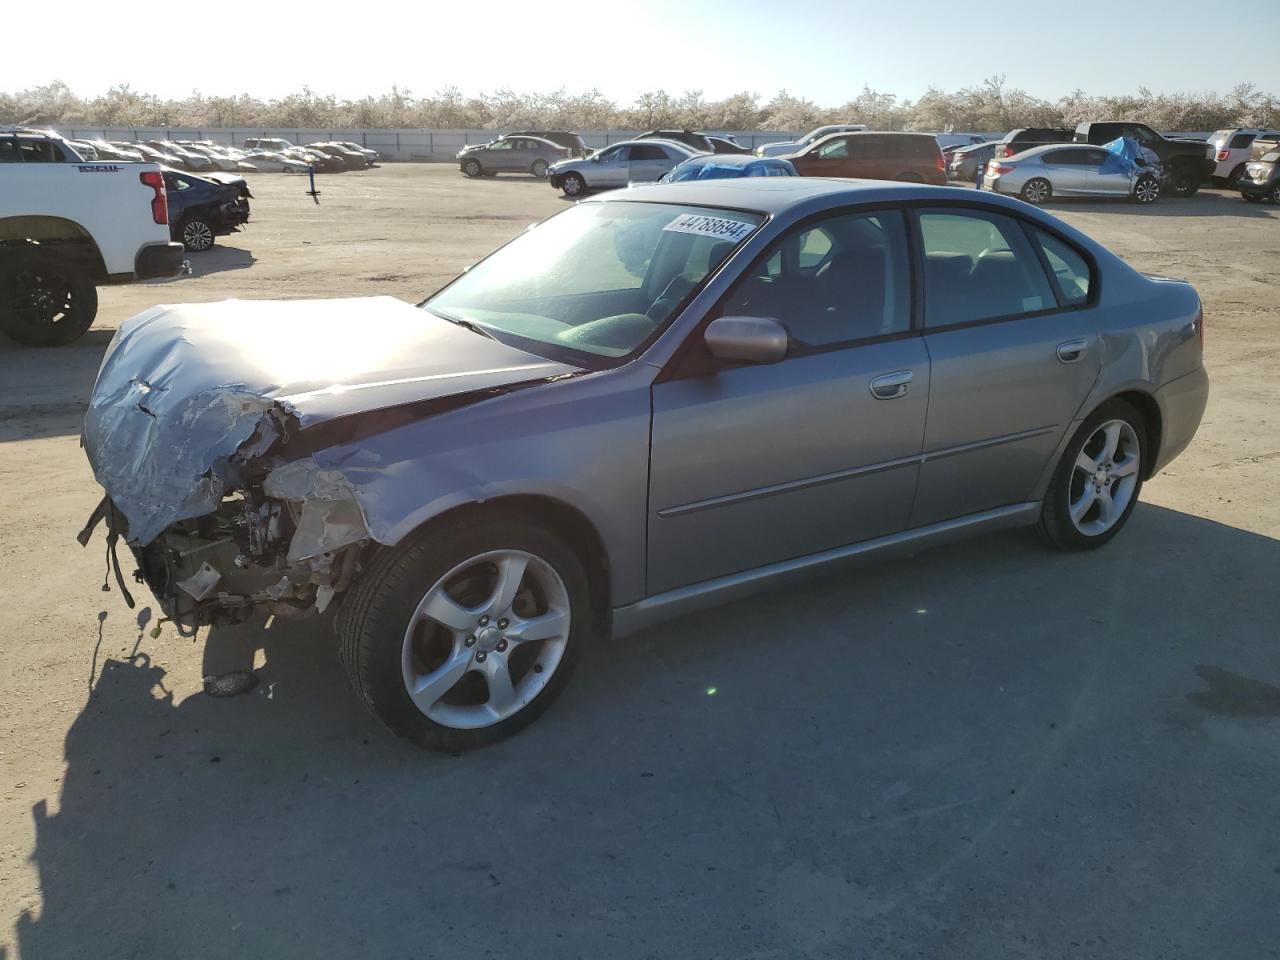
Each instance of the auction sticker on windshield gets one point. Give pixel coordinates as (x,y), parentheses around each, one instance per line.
(703,226)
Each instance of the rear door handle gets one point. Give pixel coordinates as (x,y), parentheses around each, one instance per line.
(1072,350)
(891,385)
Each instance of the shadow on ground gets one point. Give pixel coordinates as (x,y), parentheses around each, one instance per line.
(986,751)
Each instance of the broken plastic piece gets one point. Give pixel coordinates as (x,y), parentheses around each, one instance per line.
(201,583)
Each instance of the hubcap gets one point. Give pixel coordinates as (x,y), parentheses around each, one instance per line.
(486,639)
(572,186)
(1104,478)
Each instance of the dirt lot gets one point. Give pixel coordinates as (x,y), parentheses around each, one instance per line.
(986,751)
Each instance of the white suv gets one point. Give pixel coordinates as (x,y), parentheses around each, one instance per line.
(1231,151)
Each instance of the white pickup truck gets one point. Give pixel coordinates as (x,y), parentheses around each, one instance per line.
(68,225)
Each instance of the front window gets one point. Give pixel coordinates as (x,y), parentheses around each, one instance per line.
(600,278)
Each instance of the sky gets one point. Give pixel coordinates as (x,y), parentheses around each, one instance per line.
(822,50)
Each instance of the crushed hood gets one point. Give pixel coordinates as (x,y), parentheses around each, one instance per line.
(187,393)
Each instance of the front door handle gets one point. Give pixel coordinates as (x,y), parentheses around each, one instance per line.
(891,385)
(1072,350)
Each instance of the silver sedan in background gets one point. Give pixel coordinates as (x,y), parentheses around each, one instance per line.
(647,404)
(522,154)
(632,161)
(1068,170)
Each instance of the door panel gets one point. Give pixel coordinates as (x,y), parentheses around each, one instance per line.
(756,464)
(1001,385)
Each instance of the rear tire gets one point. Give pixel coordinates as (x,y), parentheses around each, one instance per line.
(1096,484)
(539,169)
(196,233)
(45,300)
(392,645)
(1036,191)
(1234,179)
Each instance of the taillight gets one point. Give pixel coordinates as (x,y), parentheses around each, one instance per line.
(999,168)
(942,163)
(159,203)
(1224,155)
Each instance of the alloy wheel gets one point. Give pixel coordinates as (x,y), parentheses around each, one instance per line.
(486,639)
(1037,191)
(42,297)
(1147,190)
(1104,478)
(197,235)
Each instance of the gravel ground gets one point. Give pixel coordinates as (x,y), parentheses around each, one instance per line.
(985,751)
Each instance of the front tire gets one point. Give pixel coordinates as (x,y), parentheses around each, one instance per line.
(573,185)
(1146,190)
(1036,191)
(45,300)
(472,168)
(1183,183)
(466,632)
(196,234)
(1096,484)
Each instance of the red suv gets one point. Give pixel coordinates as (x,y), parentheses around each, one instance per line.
(913,157)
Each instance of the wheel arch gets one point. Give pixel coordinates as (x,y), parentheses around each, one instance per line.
(581,534)
(58,234)
(1153,421)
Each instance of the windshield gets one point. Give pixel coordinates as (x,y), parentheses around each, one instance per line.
(600,278)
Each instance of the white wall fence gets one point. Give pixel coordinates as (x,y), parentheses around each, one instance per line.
(392,144)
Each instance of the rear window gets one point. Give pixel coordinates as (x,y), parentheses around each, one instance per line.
(918,147)
(979,266)
(1071,271)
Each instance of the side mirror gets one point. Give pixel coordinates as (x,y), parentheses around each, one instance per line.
(753,339)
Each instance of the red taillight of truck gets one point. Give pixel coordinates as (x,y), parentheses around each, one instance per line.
(159,202)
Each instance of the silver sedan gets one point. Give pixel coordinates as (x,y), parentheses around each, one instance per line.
(647,404)
(619,165)
(1069,170)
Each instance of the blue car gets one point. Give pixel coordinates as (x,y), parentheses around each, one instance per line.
(204,207)
(726,166)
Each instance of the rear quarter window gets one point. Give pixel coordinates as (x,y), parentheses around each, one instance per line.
(1242,140)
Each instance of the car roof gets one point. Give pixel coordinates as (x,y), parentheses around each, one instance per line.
(733,159)
(650,141)
(775,195)
(1043,148)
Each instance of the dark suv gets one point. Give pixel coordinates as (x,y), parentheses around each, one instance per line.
(911,157)
(698,141)
(1024,138)
(1187,163)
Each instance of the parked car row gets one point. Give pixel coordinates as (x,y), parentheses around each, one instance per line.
(258,154)
(841,152)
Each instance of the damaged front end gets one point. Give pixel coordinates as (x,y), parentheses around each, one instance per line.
(282,537)
(254,553)
(212,441)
